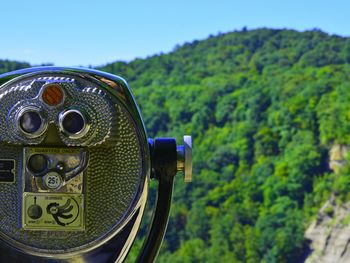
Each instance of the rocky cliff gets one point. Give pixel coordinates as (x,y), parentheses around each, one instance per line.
(330,232)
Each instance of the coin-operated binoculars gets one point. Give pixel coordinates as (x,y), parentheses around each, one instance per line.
(75,165)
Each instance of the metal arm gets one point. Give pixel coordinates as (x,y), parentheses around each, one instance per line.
(167,160)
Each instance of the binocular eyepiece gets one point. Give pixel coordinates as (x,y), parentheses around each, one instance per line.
(75,165)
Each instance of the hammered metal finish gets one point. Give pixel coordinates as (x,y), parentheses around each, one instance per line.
(114,178)
(80,94)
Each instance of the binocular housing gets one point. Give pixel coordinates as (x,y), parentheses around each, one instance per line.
(75,165)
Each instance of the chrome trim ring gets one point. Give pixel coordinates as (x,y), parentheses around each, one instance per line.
(76,135)
(43,125)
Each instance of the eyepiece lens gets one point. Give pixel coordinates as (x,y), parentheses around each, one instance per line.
(73,122)
(37,163)
(30,122)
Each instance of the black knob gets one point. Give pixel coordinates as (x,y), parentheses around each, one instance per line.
(35,212)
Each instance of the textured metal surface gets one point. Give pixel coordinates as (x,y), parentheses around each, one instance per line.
(115,178)
(80,94)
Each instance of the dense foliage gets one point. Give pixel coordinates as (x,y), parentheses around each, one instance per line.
(264,108)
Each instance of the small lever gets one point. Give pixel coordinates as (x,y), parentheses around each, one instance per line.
(184,158)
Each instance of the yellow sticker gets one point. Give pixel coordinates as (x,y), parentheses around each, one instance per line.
(53,211)
(54,150)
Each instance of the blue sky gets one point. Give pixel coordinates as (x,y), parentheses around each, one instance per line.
(86,32)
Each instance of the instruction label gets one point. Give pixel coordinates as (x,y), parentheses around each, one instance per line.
(53,211)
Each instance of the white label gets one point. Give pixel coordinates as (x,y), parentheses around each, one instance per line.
(53,180)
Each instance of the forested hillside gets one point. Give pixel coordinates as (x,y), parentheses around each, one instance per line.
(264,107)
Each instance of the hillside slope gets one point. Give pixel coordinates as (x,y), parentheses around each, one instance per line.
(265,107)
